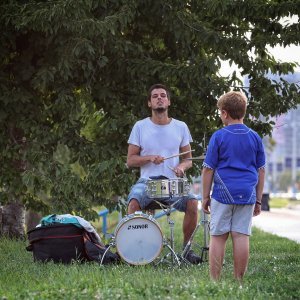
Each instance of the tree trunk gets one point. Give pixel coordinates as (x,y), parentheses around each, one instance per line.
(13,220)
(0,221)
(32,219)
(12,217)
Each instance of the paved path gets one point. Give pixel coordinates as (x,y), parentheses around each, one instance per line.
(284,222)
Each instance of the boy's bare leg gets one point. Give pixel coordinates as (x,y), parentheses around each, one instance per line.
(240,254)
(216,254)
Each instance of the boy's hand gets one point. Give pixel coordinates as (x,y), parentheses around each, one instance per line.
(206,205)
(257,209)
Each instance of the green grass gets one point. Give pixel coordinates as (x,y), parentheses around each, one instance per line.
(278,202)
(282,202)
(112,220)
(273,273)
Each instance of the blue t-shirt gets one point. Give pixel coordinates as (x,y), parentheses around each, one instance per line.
(235,153)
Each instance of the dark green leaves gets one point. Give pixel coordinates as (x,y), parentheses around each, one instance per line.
(74,77)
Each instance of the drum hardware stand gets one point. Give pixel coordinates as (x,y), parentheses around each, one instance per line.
(188,245)
(203,220)
(168,209)
(182,257)
(165,242)
(206,224)
(170,245)
(111,244)
(204,250)
(174,255)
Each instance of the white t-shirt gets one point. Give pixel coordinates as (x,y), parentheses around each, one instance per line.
(163,140)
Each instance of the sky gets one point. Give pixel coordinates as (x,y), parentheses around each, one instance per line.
(287,54)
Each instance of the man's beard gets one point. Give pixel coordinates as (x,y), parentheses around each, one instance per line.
(160,109)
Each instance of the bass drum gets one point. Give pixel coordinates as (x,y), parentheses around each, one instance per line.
(138,238)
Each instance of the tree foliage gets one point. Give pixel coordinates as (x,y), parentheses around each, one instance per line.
(74,76)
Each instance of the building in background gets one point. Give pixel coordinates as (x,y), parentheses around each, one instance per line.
(283,159)
(283,151)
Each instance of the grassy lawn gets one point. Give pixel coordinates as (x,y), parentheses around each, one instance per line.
(282,202)
(273,273)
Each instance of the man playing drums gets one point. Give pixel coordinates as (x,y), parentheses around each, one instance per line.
(151,141)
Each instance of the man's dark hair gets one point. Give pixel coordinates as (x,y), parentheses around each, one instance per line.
(157,86)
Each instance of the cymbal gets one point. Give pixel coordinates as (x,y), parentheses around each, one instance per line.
(201,157)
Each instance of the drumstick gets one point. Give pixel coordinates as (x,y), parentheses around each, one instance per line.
(196,158)
(173,169)
(178,154)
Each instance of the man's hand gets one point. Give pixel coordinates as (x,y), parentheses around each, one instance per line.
(179,171)
(156,159)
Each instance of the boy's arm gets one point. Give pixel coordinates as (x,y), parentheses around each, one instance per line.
(259,191)
(207,179)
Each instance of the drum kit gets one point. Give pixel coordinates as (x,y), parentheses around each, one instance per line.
(138,237)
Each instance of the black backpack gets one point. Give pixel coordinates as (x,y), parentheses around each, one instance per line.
(66,243)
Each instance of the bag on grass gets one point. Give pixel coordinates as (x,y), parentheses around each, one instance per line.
(66,243)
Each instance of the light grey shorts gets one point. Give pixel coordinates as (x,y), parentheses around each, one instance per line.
(230,217)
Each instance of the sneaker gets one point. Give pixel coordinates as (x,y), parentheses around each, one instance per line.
(193,258)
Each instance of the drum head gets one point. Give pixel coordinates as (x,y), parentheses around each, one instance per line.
(139,240)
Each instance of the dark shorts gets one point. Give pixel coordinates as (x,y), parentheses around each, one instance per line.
(139,192)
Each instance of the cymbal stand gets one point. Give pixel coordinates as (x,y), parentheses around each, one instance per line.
(203,220)
(189,244)
(204,250)
(206,226)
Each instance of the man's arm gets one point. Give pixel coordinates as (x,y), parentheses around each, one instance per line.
(134,159)
(207,179)
(184,164)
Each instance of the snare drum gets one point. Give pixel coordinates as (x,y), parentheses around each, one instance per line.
(138,239)
(166,188)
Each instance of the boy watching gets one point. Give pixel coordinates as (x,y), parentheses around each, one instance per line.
(235,162)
